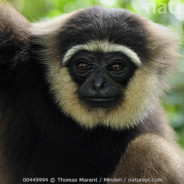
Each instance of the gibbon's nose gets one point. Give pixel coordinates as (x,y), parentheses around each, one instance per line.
(98,83)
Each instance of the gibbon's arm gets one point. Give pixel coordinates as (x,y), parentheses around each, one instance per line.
(14,34)
(152,158)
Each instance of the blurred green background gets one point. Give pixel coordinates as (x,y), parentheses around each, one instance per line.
(166,12)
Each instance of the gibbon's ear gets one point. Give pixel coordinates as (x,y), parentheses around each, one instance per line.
(151,157)
(14,33)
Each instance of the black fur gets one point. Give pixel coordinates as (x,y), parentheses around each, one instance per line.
(117,26)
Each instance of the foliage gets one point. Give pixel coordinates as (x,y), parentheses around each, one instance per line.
(167,12)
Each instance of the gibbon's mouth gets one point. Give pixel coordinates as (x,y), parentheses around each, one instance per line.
(100,102)
(100,99)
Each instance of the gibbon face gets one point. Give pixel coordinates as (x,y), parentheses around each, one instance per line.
(107,67)
(100,77)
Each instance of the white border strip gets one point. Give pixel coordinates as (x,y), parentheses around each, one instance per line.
(104,46)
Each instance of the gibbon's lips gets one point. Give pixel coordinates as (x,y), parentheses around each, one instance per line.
(100,102)
(101,99)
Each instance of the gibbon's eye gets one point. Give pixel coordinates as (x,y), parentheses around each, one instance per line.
(82,67)
(116,67)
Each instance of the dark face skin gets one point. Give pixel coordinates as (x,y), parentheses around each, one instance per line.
(101,77)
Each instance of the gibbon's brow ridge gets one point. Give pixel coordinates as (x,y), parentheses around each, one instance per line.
(103,46)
